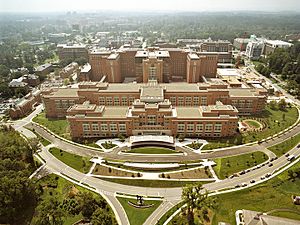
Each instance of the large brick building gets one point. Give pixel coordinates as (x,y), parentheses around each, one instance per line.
(97,109)
(167,64)
(133,92)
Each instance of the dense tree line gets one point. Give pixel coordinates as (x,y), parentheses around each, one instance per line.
(285,62)
(17,192)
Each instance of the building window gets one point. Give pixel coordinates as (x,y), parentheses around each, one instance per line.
(122,127)
(199,127)
(190,127)
(86,127)
(208,127)
(124,101)
(173,100)
(218,127)
(188,101)
(180,101)
(104,127)
(116,100)
(131,100)
(196,101)
(203,100)
(65,104)
(58,104)
(151,119)
(95,127)
(109,100)
(113,127)
(71,102)
(101,101)
(180,127)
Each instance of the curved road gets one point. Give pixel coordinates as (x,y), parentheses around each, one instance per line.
(171,195)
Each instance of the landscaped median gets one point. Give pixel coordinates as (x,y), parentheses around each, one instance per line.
(230,165)
(283,147)
(152,183)
(77,162)
(136,215)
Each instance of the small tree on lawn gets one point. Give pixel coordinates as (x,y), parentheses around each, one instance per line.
(282,104)
(196,198)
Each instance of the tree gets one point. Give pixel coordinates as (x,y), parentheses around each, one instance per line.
(273,105)
(49,212)
(88,204)
(282,104)
(196,198)
(102,217)
(4,71)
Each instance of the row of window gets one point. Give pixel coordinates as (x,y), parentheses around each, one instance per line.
(116,100)
(104,127)
(64,104)
(217,127)
(188,101)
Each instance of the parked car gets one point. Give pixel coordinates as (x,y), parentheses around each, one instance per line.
(291,158)
(244,184)
(268,175)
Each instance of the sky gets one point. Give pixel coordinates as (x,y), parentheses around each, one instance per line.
(147,5)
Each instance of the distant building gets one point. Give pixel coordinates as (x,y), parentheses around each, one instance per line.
(250,217)
(271,45)
(85,73)
(73,51)
(25,105)
(254,49)
(67,71)
(31,79)
(17,83)
(241,43)
(43,69)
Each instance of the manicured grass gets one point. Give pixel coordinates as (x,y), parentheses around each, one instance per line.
(151,169)
(152,150)
(77,162)
(138,216)
(273,194)
(252,123)
(108,145)
(195,145)
(273,118)
(281,148)
(57,126)
(151,183)
(230,165)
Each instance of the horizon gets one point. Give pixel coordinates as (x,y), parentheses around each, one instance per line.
(156,6)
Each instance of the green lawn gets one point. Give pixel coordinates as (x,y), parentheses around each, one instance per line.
(77,162)
(138,216)
(151,183)
(283,147)
(230,165)
(252,123)
(57,126)
(273,194)
(181,167)
(152,150)
(272,118)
